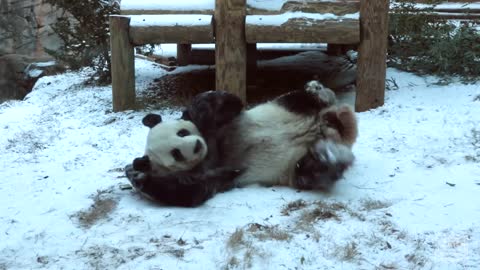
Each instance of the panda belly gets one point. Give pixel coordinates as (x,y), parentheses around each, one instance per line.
(268,141)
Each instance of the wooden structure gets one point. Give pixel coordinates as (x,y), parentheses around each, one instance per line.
(235,26)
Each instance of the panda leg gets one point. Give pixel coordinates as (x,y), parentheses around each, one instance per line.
(187,189)
(323,166)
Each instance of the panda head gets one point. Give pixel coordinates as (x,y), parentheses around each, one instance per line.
(174,145)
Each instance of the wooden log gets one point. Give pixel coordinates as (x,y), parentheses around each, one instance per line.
(371,65)
(136,7)
(340,49)
(230,47)
(154,11)
(123,64)
(183,54)
(337,7)
(302,30)
(157,29)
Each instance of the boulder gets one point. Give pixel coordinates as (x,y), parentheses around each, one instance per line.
(19,73)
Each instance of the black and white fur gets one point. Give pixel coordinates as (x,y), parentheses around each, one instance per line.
(269,144)
(270,139)
(181,162)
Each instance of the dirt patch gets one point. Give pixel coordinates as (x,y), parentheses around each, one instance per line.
(103,205)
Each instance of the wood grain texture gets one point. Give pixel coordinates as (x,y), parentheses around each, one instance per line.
(183,54)
(230,47)
(346,31)
(141,35)
(123,65)
(371,70)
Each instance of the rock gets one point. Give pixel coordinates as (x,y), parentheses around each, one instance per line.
(19,73)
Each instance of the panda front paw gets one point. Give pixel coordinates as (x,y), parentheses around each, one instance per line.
(142,164)
(137,178)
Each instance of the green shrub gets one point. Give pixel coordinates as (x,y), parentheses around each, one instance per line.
(426,45)
(84,31)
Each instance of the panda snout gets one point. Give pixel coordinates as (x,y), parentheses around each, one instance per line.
(198,147)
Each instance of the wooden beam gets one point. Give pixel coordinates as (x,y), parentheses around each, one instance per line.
(371,67)
(338,31)
(154,11)
(337,7)
(157,29)
(184,52)
(123,64)
(230,47)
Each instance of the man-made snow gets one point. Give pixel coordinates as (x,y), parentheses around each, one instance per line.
(411,201)
(169,20)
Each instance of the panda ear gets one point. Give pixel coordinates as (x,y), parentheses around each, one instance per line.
(151,120)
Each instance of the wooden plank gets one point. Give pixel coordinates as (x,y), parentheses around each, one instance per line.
(345,31)
(141,35)
(165,11)
(371,67)
(337,7)
(230,47)
(184,54)
(123,64)
(180,29)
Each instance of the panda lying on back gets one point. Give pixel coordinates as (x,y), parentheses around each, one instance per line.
(270,144)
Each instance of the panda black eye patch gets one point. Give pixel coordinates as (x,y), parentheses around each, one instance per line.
(183,132)
(177,155)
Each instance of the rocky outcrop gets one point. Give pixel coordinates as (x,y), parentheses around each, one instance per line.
(25,32)
(18,74)
(25,27)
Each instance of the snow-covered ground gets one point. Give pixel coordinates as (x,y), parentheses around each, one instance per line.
(411,201)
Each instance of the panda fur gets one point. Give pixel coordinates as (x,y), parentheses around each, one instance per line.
(181,162)
(326,162)
(270,139)
(270,144)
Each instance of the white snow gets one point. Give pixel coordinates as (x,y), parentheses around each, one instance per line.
(283,18)
(167,5)
(170,20)
(197,4)
(275,5)
(393,210)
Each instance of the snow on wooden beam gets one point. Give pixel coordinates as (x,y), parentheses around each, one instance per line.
(150,7)
(294,27)
(337,7)
(180,29)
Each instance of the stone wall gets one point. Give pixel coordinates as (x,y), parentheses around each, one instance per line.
(25,27)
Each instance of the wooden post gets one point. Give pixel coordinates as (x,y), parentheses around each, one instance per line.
(251,63)
(123,65)
(183,54)
(372,54)
(230,47)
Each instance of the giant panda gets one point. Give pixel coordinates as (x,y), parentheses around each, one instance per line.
(269,144)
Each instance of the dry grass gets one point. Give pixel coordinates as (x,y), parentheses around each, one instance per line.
(236,239)
(102,206)
(322,211)
(474,138)
(370,204)
(263,232)
(293,206)
(348,252)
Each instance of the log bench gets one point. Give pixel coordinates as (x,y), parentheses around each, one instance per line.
(235,26)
